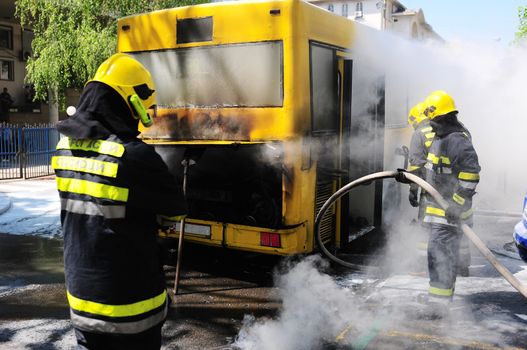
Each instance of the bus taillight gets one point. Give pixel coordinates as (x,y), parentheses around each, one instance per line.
(268,239)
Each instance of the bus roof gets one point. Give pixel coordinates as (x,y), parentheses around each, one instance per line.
(232,22)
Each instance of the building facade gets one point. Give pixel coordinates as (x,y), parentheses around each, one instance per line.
(15,49)
(385,15)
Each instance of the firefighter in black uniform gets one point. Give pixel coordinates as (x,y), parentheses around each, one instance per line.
(112,186)
(453,169)
(419,145)
(418,152)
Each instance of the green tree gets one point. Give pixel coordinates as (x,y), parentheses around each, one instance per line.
(72,37)
(521,34)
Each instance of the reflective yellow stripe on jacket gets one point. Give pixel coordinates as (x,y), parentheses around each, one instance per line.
(435,159)
(468,176)
(458,199)
(440,212)
(429,136)
(100,146)
(435,211)
(85,165)
(92,189)
(133,309)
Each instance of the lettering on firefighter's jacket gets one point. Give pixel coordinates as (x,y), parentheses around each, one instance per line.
(86,165)
(100,146)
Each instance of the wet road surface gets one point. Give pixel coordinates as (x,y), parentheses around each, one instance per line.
(219,289)
(216,290)
(31,278)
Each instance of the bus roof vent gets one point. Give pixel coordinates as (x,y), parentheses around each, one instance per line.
(191,30)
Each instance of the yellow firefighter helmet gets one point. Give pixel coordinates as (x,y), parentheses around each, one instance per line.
(439,103)
(132,81)
(417,115)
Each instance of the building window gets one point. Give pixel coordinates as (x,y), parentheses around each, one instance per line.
(6,70)
(331,8)
(6,37)
(358,7)
(345,10)
(358,10)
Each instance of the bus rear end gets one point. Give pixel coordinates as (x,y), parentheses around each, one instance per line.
(224,104)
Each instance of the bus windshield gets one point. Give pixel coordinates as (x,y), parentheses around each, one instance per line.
(241,75)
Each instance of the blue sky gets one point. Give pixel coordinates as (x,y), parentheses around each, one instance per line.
(471,19)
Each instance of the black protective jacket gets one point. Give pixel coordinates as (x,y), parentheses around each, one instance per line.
(112,186)
(419,145)
(452,168)
(420,142)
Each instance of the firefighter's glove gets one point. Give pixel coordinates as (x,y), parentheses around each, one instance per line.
(453,214)
(412,197)
(401,176)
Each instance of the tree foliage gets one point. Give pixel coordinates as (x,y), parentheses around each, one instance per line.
(521,34)
(72,37)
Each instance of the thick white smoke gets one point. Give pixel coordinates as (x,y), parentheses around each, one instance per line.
(486,81)
(315,310)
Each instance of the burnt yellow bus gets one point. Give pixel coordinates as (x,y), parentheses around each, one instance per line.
(257,97)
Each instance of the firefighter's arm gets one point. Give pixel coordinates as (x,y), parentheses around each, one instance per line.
(417,160)
(466,168)
(153,188)
(417,155)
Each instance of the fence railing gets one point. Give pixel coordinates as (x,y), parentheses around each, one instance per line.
(26,151)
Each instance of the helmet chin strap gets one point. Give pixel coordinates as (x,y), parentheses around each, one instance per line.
(139,110)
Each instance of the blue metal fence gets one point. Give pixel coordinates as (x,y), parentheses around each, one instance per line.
(26,151)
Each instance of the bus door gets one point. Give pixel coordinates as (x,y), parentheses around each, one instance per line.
(345,66)
(328,72)
(366,150)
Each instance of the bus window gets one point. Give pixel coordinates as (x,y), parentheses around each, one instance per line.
(324,89)
(243,75)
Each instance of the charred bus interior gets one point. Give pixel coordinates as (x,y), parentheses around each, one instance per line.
(235,183)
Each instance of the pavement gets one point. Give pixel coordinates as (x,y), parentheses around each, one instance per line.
(30,207)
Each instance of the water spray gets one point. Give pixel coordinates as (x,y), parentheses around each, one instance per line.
(437,197)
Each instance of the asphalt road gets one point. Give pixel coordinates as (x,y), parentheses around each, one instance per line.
(216,290)
(309,306)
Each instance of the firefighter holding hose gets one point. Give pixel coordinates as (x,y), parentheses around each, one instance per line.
(112,186)
(453,169)
(418,152)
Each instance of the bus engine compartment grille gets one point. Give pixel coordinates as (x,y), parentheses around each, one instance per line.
(324,190)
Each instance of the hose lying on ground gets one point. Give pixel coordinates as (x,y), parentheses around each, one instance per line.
(437,197)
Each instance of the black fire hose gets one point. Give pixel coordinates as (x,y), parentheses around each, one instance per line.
(437,197)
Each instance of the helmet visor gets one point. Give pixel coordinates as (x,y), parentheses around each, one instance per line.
(143,91)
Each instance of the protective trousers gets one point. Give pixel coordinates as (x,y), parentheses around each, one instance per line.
(443,254)
(464,254)
(147,340)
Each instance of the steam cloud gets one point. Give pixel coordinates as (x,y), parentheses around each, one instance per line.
(315,309)
(486,81)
